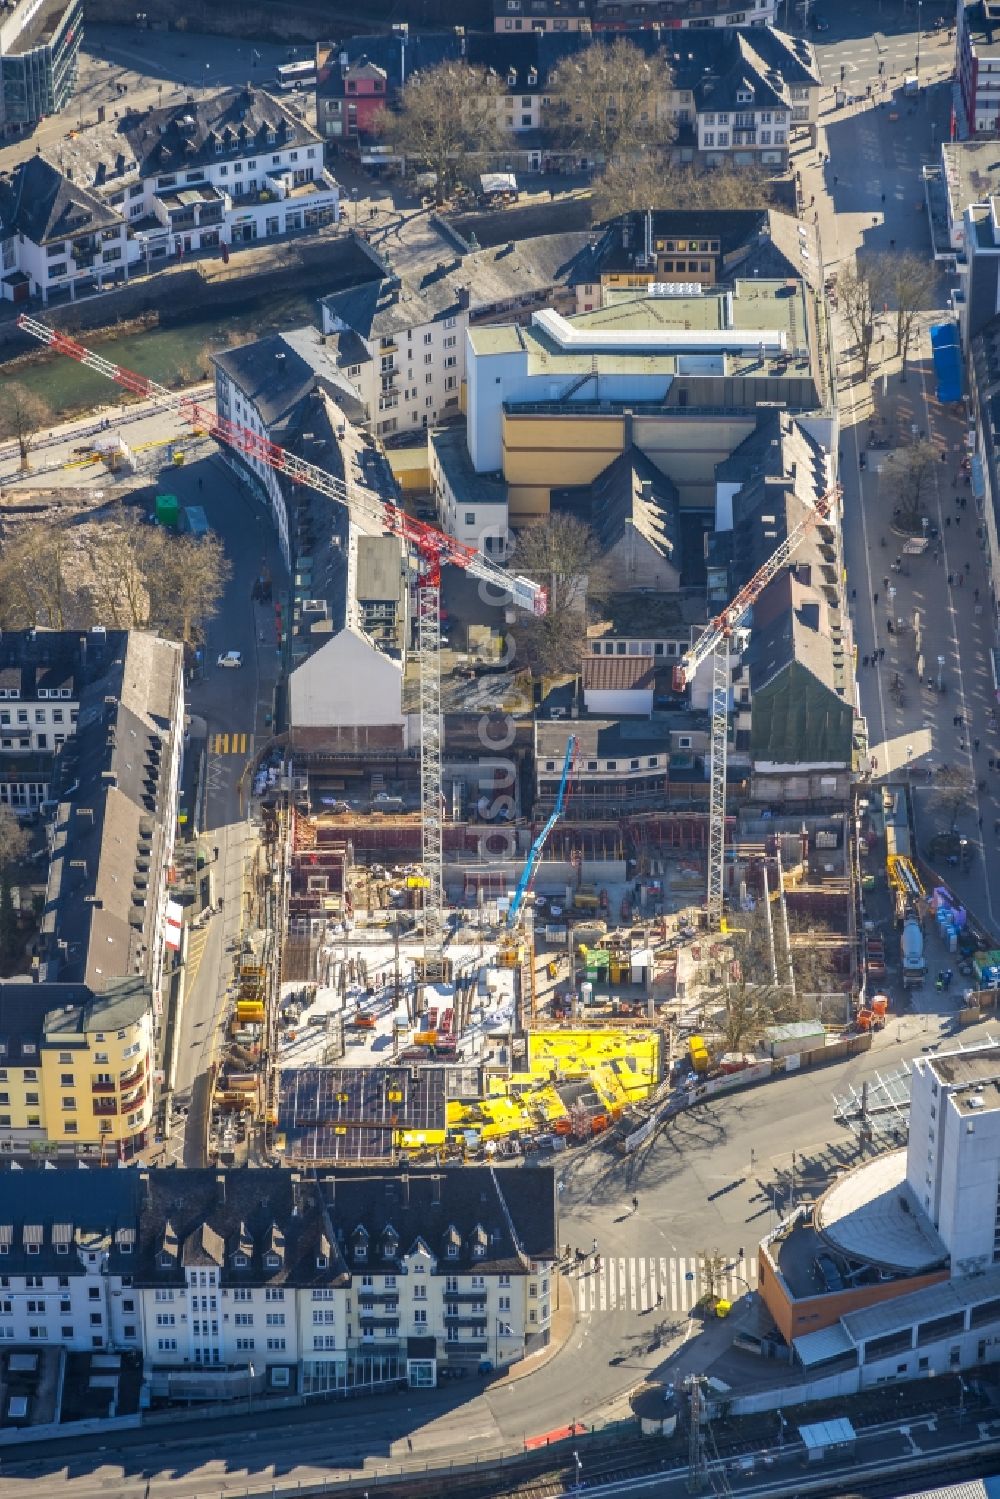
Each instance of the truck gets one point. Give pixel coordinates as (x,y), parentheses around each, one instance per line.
(698,1053)
(911,949)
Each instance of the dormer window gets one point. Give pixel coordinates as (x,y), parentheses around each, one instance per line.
(452,1251)
(166,1260)
(272,1261)
(322,1261)
(744,96)
(218,148)
(62,1249)
(34,1248)
(240,1261)
(361,1250)
(271,137)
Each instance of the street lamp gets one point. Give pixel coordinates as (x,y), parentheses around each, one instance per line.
(251,1372)
(579,1471)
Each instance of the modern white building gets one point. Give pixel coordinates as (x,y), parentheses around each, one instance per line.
(470,506)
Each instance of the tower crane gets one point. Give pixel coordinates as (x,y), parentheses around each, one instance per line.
(535,852)
(432,547)
(714,642)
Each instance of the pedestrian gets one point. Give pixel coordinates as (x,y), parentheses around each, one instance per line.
(883,197)
(635,1204)
(885,582)
(881,652)
(980,815)
(864,661)
(947,520)
(968,567)
(594,1250)
(975,594)
(975,745)
(875,597)
(215,853)
(951,579)
(854,593)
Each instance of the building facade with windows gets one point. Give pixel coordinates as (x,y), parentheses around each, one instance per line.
(227,170)
(39,49)
(977,51)
(402,345)
(76,1067)
(264,1278)
(67,1253)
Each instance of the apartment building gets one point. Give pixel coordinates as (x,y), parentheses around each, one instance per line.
(356,1279)
(402,344)
(42,678)
(691,248)
(763,83)
(541,15)
(67,1256)
(77,1067)
(263,386)
(227,170)
(689,15)
(977,51)
(39,57)
(58,234)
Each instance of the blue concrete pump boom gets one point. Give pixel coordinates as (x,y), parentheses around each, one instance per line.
(535,852)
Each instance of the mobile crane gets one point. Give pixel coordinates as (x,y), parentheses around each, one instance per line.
(432,547)
(714,642)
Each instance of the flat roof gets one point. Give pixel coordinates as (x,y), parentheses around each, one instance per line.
(758,329)
(924,1305)
(962,1068)
(872,1215)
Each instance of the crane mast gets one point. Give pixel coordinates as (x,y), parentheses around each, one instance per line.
(714,642)
(433,547)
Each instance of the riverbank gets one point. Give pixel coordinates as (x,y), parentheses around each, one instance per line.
(168,326)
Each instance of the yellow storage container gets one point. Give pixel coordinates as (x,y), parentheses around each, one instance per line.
(250,1010)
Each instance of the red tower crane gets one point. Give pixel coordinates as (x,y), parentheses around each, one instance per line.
(432,548)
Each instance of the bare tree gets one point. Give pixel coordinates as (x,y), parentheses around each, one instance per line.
(563,554)
(861,292)
(909,282)
(650,179)
(447,115)
(908,476)
(611,100)
(185,578)
(22,415)
(952,793)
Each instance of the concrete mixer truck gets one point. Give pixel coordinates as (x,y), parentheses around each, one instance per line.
(911,945)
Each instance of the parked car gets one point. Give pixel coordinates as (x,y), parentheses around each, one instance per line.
(231,659)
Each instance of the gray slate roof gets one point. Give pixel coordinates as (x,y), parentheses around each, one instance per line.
(276,373)
(36,200)
(238,120)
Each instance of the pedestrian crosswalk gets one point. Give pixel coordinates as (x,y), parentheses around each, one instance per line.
(230,744)
(673,1283)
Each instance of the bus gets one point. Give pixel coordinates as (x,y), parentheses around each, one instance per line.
(291,75)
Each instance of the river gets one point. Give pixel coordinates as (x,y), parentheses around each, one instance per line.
(175,353)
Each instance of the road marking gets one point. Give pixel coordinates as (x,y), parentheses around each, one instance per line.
(230,744)
(636,1283)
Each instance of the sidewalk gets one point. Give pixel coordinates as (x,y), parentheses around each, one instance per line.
(868,202)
